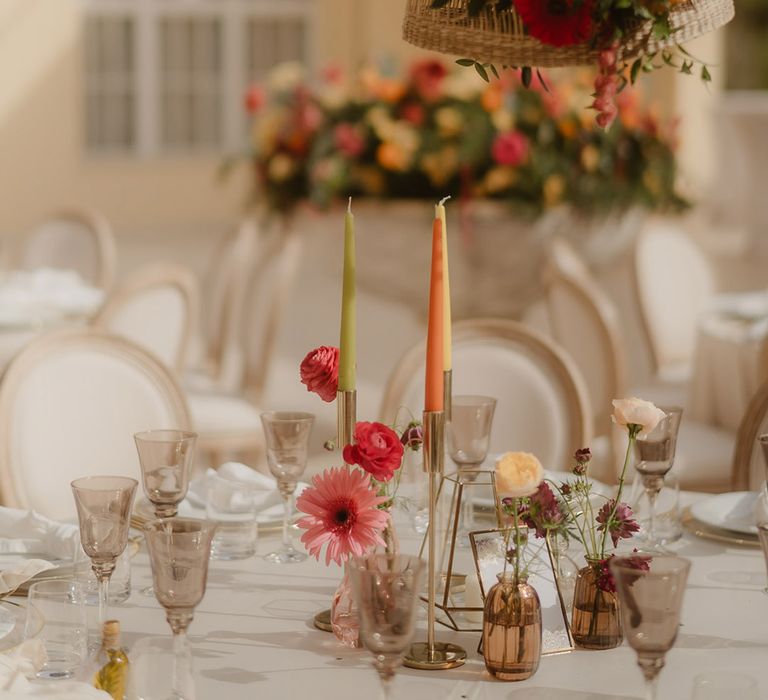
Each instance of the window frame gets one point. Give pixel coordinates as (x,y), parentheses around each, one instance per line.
(234,16)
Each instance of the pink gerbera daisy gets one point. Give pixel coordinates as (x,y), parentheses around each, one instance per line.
(341,511)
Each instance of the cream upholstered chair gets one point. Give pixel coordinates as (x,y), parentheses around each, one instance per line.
(70,403)
(542,403)
(226,293)
(585,322)
(72,239)
(749,470)
(156,307)
(227,421)
(674,283)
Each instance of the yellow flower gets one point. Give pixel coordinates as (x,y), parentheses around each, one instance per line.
(281,167)
(449,121)
(390,156)
(499,178)
(590,158)
(554,187)
(441,165)
(503,120)
(567,128)
(518,474)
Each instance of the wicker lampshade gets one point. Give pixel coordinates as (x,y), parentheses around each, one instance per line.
(499,37)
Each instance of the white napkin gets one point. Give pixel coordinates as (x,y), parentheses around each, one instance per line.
(267,497)
(24,661)
(27,532)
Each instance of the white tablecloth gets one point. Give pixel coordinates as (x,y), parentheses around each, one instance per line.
(727,370)
(252,637)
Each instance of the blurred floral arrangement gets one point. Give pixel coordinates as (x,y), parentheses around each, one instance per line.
(433,132)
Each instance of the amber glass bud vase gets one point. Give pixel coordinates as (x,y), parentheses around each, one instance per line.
(596,622)
(512,629)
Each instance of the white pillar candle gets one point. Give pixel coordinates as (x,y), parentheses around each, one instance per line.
(473,599)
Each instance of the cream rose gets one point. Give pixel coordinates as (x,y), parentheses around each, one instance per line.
(638,412)
(518,474)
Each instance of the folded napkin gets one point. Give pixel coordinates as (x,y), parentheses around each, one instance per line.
(24,661)
(27,532)
(266,496)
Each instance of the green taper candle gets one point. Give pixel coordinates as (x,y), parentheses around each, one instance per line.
(347,344)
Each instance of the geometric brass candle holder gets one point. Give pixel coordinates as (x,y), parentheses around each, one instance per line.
(456,561)
(432,655)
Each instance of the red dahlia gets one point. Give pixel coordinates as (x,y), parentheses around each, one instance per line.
(557,22)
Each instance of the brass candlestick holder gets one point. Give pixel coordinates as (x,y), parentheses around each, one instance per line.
(433,655)
(447,393)
(346,416)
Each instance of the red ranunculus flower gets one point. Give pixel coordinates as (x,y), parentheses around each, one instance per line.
(557,22)
(428,76)
(320,371)
(377,449)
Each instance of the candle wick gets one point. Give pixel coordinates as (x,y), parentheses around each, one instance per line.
(349,205)
(444,200)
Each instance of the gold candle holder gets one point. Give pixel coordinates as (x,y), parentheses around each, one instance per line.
(346,416)
(432,655)
(447,393)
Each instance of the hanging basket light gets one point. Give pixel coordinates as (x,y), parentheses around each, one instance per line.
(499,36)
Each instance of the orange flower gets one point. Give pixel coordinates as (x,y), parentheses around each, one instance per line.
(491,98)
(567,128)
(389,90)
(390,156)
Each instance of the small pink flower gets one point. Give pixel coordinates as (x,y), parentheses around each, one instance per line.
(510,148)
(607,58)
(349,139)
(413,113)
(320,371)
(342,512)
(333,74)
(254,99)
(377,449)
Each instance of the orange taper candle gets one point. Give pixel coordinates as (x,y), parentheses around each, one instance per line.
(433,390)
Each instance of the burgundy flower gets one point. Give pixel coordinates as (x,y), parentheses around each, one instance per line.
(544,512)
(605,581)
(320,371)
(621,525)
(413,113)
(510,148)
(377,449)
(582,457)
(412,436)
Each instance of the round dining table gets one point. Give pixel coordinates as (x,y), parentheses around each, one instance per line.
(252,636)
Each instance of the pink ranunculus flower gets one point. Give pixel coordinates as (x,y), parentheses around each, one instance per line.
(349,139)
(634,411)
(320,371)
(377,449)
(510,148)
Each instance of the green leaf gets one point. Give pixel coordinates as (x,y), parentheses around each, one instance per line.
(493,70)
(542,81)
(480,68)
(705,75)
(635,70)
(687,67)
(526,74)
(465,61)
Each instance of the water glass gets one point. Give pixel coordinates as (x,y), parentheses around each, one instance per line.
(721,685)
(61,604)
(231,506)
(668,523)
